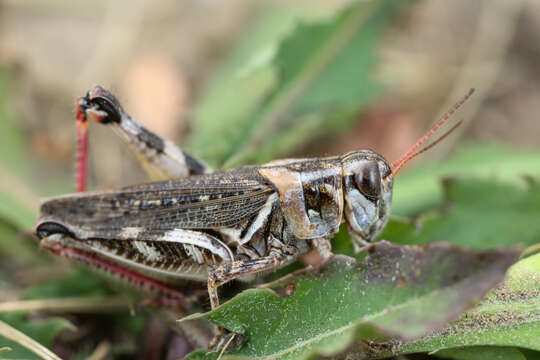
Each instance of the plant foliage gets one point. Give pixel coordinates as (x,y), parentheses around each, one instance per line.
(463,220)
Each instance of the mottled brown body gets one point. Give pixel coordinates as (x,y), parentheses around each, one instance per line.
(147,225)
(185,227)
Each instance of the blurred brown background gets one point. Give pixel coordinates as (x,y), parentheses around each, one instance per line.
(159,57)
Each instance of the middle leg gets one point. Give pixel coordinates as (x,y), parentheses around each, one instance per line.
(233,270)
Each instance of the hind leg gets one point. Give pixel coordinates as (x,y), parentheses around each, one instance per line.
(161,158)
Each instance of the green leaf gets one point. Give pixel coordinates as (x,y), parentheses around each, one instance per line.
(398,291)
(482,353)
(419,188)
(79,283)
(13,146)
(319,78)
(509,316)
(14,164)
(478,213)
(15,245)
(242,81)
(43,331)
(530,354)
(12,210)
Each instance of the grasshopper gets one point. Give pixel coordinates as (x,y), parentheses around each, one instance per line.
(215,226)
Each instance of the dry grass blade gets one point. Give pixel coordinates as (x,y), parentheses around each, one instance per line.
(15,335)
(79,305)
(101,351)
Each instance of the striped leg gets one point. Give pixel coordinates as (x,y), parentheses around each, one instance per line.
(160,157)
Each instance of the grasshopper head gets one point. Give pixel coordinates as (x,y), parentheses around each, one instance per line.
(367,189)
(368,179)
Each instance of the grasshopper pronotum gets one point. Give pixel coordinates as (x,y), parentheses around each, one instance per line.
(215,226)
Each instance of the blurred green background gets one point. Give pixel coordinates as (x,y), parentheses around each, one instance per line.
(239,82)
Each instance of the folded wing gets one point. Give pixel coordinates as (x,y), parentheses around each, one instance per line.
(200,202)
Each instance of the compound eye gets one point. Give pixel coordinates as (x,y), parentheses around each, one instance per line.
(368,180)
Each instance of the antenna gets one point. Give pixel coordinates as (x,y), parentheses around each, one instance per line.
(413,151)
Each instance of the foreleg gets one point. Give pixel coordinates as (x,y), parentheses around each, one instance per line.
(323,247)
(359,243)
